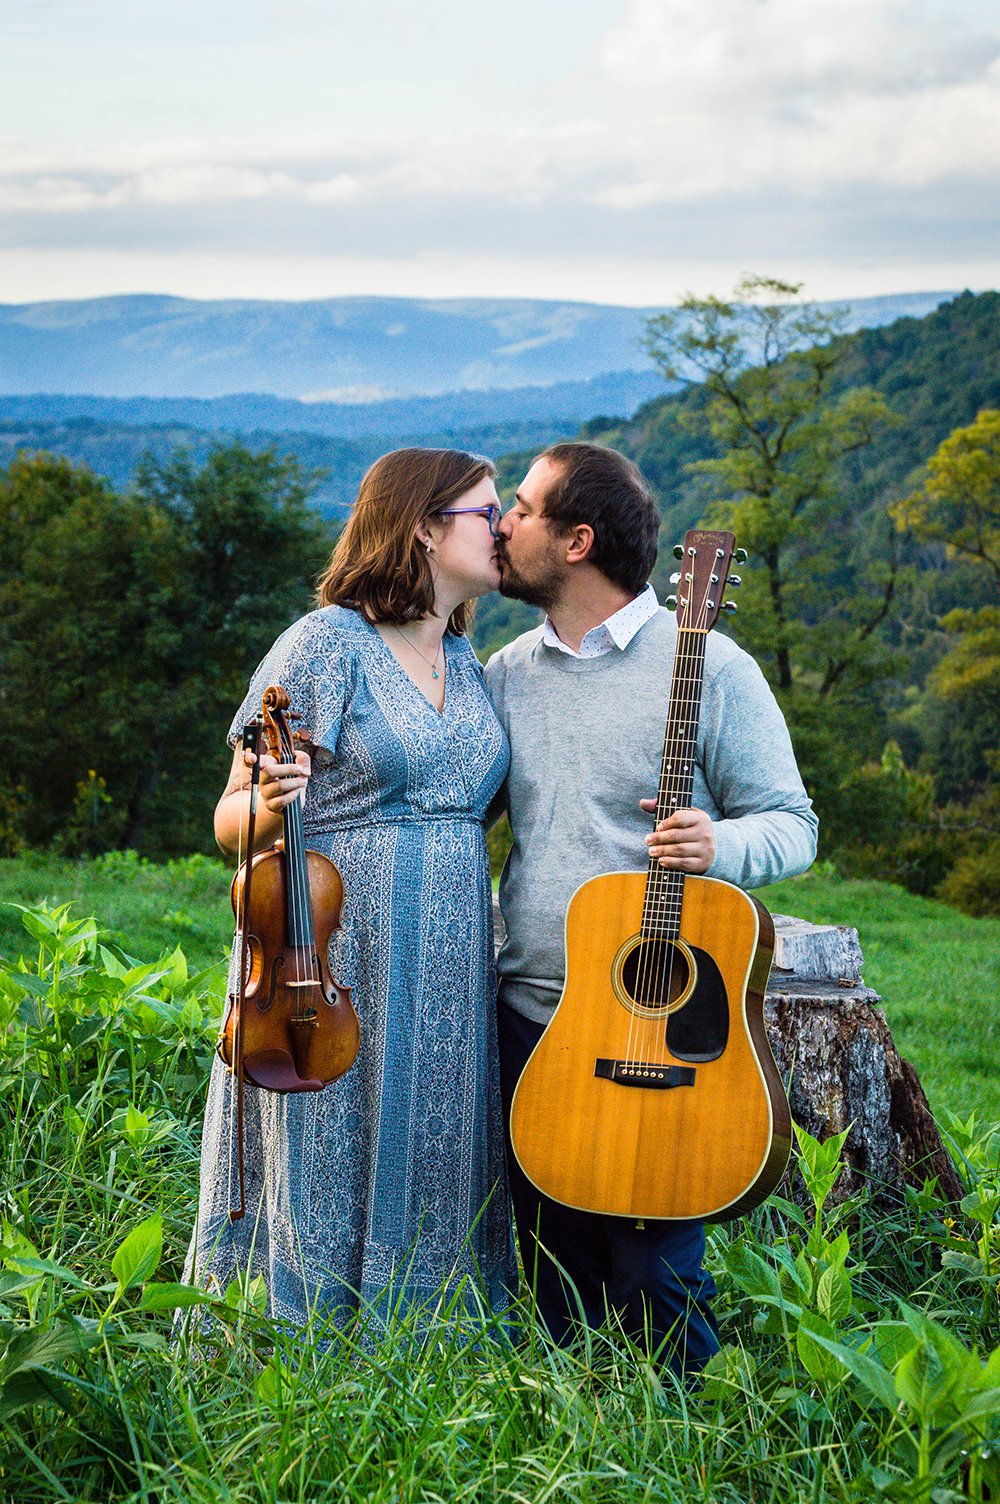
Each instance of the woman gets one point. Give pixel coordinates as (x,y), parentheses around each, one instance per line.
(388,1185)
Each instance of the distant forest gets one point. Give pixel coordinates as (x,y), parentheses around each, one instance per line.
(336,442)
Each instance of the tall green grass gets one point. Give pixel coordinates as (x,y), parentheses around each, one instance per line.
(855,1365)
(938,970)
(938,973)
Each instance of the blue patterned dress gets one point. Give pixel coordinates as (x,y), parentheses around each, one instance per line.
(392,1178)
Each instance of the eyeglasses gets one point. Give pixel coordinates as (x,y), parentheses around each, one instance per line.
(491,512)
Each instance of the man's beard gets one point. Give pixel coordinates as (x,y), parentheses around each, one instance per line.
(543,592)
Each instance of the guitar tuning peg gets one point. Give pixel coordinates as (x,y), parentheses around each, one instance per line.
(675,578)
(671,603)
(678,550)
(729,606)
(741,556)
(734,580)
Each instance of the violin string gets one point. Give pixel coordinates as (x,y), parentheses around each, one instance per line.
(293,870)
(297,874)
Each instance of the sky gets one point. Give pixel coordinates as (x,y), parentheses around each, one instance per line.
(615,151)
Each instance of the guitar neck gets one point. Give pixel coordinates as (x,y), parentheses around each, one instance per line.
(661,911)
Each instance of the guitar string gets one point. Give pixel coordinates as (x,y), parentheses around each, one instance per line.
(674,894)
(665,892)
(647,969)
(639,1023)
(661,878)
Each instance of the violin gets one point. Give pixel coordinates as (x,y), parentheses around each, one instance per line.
(289,1026)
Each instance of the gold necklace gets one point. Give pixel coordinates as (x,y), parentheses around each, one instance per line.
(431,664)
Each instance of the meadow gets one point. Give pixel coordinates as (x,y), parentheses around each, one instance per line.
(860,1356)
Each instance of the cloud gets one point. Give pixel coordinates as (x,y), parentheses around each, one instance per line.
(807,94)
(761,131)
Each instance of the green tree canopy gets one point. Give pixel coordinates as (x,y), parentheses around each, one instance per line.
(765,364)
(957,504)
(958,500)
(134,625)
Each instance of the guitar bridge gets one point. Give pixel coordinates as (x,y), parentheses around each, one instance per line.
(648,1073)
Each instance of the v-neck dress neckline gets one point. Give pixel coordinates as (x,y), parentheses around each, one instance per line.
(445,653)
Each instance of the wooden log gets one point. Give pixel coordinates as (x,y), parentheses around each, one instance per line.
(840,1065)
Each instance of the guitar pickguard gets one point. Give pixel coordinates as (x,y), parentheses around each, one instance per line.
(700,1029)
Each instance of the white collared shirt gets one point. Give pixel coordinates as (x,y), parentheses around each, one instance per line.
(616,632)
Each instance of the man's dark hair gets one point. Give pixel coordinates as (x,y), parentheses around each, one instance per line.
(605,490)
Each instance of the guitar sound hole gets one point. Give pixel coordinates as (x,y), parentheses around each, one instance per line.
(654,974)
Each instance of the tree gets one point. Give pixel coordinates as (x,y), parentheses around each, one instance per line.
(764,363)
(957,503)
(134,627)
(958,500)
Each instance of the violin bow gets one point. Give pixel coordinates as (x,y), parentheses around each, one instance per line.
(251,743)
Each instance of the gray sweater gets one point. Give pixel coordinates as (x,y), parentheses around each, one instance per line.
(586,740)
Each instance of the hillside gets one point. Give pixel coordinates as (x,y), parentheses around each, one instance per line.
(572,402)
(114,449)
(936,373)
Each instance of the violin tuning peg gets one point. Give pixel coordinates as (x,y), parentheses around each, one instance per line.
(678,550)
(741,556)
(671,603)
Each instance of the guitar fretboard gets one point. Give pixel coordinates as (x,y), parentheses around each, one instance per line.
(661,910)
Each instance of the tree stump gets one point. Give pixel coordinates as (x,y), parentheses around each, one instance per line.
(840,1066)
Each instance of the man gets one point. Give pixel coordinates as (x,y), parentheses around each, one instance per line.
(583,699)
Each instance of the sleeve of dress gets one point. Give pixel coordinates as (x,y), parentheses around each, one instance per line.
(768,826)
(309,662)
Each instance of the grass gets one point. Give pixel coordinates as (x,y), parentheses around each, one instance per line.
(828,1390)
(144,907)
(937,971)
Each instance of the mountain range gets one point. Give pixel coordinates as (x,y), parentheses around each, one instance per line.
(334,350)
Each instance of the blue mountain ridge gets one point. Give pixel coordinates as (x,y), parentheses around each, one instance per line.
(337,350)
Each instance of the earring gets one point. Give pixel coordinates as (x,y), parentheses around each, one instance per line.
(428,547)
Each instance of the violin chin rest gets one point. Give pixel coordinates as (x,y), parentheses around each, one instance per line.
(275,1071)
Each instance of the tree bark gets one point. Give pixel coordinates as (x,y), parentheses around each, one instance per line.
(841,1067)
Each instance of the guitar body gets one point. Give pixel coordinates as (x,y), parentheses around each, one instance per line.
(653,1091)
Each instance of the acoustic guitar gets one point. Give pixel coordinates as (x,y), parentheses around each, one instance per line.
(653,1091)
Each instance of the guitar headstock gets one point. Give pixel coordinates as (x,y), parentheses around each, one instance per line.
(702,578)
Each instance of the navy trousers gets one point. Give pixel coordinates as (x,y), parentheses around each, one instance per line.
(581,1266)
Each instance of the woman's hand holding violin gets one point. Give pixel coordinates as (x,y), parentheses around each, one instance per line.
(281,782)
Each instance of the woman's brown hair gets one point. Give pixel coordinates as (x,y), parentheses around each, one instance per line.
(378,565)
